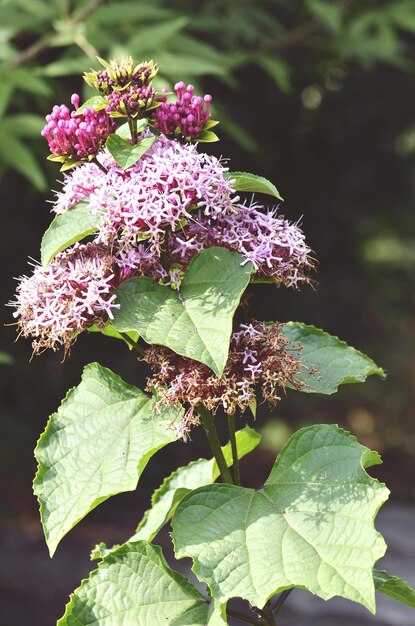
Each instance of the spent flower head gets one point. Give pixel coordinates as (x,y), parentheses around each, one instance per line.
(260,358)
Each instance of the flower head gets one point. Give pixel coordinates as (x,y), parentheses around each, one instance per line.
(76,137)
(159,192)
(74,291)
(260,357)
(275,247)
(184,119)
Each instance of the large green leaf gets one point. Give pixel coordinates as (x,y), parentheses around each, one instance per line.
(310,526)
(96,445)
(66,229)
(244,181)
(165,499)
(135,586)
(395,587)
(328,362)
(126,153)
(195,322)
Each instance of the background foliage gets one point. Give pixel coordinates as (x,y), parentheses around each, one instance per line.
(319,97)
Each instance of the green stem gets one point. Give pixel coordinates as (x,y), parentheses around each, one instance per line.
(132,124)
(235,459)
(208,423)
(136,346)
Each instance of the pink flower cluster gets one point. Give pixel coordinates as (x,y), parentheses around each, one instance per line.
(275,247)
(160,191)
(152,219)
(184,119)
(73,292)
(259,357)
(77,137)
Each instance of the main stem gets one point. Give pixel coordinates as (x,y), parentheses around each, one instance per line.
(208,423)
(235,459)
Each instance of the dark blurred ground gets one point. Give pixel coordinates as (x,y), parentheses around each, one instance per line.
(338,166)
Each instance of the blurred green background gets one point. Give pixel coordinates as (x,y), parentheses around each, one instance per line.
(316,95)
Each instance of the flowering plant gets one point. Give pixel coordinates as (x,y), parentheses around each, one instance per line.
(171,248)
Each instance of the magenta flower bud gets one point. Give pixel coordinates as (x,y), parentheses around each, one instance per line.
(184,119)
(77,137)
(75,100)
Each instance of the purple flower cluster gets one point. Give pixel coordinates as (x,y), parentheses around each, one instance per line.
(78,137)
(61,300)
(275,247)
(160,191)
(184,119)
(152,218)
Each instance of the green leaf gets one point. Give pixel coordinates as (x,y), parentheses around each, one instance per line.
(109,331)
(24,124)
(256,184)
(96,445)
(134,585)
(310,526)
(97,103)
(25,79)
(15,154)
(278,69)
(328,362)
(197,321)
(175,487)
(125,153)
(329,13)
(66,66)
(66,229)
(395,587)
(206,136)
(5,358)
(202,472)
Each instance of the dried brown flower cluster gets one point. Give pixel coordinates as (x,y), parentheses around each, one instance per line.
(260,358)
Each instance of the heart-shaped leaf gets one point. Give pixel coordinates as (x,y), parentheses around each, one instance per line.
(310,526)
(196,321)
(165,499)
(135,586)
(96,445)
(126,153)
(328,362)
(66,229)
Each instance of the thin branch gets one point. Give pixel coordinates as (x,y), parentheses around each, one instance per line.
(46,41)
(235,458)
(208,423)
